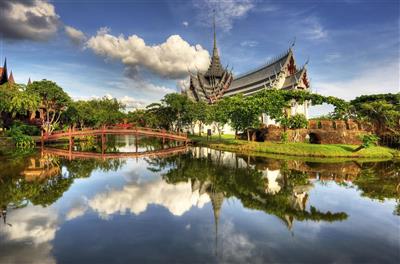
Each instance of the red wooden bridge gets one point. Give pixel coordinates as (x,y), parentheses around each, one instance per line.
(69,154)
(115,130)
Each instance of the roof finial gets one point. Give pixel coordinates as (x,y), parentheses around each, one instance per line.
(307,61)
(293,42)
(215,34)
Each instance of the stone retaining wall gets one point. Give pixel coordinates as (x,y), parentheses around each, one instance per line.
(323,132)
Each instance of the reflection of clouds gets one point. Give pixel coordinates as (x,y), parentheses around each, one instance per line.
(25,253)
(236,247)
(135,198)
(78,209)
(32,225)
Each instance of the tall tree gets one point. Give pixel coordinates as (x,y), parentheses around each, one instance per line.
(219,114)
(383,110)
(54,102)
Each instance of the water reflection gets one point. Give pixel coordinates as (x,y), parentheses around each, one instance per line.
(47,200)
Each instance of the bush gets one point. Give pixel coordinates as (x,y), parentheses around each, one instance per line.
(26,129)
(284,137)
(369,140)
(20,139)
(294,122)
(297,121)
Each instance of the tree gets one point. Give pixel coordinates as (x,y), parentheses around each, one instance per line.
(106,111)
(14,99)
(219,114)
(143,118)
(383,110)
(201,114)
(244,113)
(53,100)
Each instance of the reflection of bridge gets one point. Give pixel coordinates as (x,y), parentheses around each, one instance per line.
(91,155)
(114,130)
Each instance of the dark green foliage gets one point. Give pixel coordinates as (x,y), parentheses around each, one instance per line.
(383,110)
(284,137)
(369,140)
(20,139)
(53,100)
(294,122)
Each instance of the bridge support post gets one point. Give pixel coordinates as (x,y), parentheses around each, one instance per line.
(103,143)
(136,143)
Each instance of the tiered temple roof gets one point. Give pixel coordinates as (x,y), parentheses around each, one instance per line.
(280,73)
(211,85)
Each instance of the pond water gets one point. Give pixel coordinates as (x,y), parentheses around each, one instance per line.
(195,205)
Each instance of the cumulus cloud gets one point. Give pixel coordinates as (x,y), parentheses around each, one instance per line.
(183,84)
(136,197)
(132,103)
(171,59)
(185,23)
(33,225)
(225,11)
(28,19)
(76,36)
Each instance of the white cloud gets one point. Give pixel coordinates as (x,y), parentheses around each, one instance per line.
(185,23)
(225,11)
(249,43)
(132,103)
(314,29)
(136,197)
(331,57)
(28,19)
(33,228)
(34,223)
(183,84)
(236,247)
(171,59)
(76,36)
(382,77)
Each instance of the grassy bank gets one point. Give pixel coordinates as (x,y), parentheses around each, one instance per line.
(228,143)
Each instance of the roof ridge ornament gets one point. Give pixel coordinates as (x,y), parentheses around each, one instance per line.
(293,43)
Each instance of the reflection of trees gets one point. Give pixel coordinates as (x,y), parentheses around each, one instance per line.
(38,179)
(113,143)
(380,181)
(211,174)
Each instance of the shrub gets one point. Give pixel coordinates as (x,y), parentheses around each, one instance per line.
(369,140)
(20,139)
(26,129)
(284,137)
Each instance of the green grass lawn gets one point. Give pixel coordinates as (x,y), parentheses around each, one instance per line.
(228,142)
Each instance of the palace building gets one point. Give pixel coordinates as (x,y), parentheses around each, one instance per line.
(5,78)
(280,73)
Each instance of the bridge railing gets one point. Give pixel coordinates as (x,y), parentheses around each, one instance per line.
(74,131)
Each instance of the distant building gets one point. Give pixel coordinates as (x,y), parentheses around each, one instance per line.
(4,77)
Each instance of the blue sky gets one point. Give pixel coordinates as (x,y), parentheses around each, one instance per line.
(137,51)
